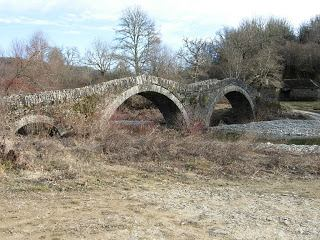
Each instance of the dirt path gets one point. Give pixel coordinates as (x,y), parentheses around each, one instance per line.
(132,204)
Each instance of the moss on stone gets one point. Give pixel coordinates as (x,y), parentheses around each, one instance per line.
(204,100)
(87,105)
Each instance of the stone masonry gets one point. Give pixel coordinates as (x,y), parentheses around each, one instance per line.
(180,104)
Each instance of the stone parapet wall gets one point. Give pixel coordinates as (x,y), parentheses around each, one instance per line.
(110,87)
(115,86)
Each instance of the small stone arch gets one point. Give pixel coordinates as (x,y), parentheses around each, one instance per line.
(239,99)
(168,104)
(35,119)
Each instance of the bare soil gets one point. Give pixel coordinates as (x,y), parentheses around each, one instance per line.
(160,185)
(133,204)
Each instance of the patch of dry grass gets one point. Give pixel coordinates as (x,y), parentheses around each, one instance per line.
(202,154)
(79,162)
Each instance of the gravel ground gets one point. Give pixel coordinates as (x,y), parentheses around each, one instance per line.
(277,129)
(294,149)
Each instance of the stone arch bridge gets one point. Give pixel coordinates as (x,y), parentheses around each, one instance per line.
(180,104)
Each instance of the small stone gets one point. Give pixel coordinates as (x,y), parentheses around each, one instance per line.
(215,232)
(284,221)
(269,219)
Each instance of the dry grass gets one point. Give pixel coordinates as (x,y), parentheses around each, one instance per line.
(302,105)
(200,153)
(74,161)
(152,114)
(3,118)
(184,184)
(86,152)
(267,111)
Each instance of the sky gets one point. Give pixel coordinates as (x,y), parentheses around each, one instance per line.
(79,22)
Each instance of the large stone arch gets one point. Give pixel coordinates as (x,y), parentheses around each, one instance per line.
(168,104)
(239,99)
(35,119)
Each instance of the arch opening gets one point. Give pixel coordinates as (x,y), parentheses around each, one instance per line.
(164,108)
(39,129)
(148,109)
(232,107)
(36,125)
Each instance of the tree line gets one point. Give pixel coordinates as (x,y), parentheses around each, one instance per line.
(260,51)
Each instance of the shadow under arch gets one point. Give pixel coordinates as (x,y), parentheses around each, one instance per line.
(19,126)
(169,105)
(240,100)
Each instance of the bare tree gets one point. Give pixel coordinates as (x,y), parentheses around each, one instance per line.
(121,69)
(196,56)
(251,52)
(136,38)
(55,57)
(164,63)
(100,57)
(310,31)
(302,60)
(71,56)
(23,60)
(28,62)
(2,70)
(278,31)
(307,62)
(231,53)
(20,64)
(38,46)
(2,63)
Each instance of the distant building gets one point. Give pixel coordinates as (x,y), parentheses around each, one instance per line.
(300,89)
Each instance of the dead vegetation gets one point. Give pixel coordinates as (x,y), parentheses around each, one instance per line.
(202,154)
(120,183)
(83,154)
(150,150)
(88,148)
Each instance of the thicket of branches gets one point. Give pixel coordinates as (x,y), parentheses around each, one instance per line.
(261,52)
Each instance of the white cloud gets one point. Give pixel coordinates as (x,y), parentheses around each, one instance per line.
(27,20)
(175,18)
(226,12)
(72,32)
(10,20)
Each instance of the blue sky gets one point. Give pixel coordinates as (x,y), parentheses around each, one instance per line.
(78,23)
